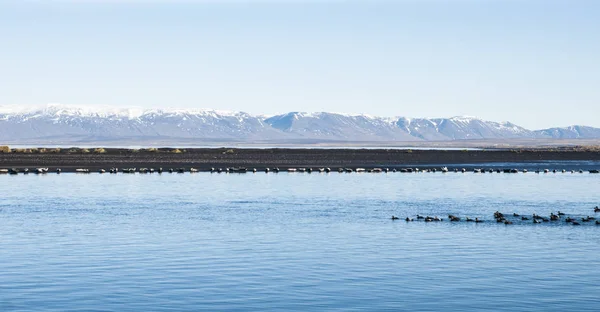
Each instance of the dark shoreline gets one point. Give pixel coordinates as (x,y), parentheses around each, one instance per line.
(205,158)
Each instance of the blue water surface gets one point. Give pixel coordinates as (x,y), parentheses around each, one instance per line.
(296,241)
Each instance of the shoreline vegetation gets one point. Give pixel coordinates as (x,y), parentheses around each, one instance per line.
(69,159)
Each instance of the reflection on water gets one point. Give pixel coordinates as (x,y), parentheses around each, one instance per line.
(294,241)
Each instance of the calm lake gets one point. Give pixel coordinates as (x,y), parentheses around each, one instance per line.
(296,241)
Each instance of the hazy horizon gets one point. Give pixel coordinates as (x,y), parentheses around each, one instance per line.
(533,63)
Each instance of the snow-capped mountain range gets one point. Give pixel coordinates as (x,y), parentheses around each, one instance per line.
(70,124)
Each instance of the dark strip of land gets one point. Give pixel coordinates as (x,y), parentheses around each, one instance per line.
(205,158)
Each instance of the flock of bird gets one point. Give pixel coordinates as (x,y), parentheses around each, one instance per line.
(290,170)
(509,219)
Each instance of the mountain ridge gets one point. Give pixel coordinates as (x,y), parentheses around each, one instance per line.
(64,123)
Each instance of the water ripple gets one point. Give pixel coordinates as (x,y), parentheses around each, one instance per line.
(294,242)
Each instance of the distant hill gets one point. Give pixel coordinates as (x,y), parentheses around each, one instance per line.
(62,124)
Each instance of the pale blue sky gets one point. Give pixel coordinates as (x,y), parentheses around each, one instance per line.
(535,63)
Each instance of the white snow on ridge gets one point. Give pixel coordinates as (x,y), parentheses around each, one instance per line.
(61,110)
(113,112)
(464,119)
(209,123)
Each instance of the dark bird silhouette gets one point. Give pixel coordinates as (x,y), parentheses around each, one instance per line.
(454,218)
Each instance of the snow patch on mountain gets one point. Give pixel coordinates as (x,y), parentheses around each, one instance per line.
(69,123)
